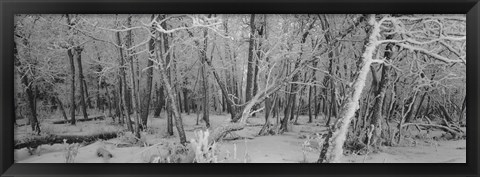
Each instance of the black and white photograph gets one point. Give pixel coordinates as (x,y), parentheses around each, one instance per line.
(240,88)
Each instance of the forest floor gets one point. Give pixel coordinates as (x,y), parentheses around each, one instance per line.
(249,148)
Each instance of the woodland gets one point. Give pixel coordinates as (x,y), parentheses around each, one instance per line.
(240,88)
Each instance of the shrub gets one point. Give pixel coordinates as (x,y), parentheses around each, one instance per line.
(204,153)
(170,153)
(71,151)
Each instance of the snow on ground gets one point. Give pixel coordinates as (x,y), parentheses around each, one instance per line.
(439,152)
(286,148)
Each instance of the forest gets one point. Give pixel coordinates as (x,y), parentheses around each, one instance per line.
(240,88)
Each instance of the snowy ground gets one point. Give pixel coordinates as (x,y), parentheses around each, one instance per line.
(286,148)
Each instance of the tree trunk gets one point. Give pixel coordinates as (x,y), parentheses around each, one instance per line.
(87,97)
(408,110)
(310,116)
(123,83)
(299,107)
(221,131)
(376,120)
(265,127)
(332,149)
(204,61)
(133,81)
(70,54)
(197,110)
(223,103)
(318,105)
(179,97)
(293,97)
(447,116)
(413,112)
(118,102)
(288,110)
(250,64)
(185,101)
(29,96)
(110,102)
(205,97)
(78,56)
(169,103)
(147,92)
(159,101)
(230,103)
(100,103)
(171,94)
(171,99)
(464,106)
(72,88)
(328,80)
(255,77)
(419,106)
(64,114)
(294,87)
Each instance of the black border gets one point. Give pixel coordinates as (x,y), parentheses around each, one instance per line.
(10,7)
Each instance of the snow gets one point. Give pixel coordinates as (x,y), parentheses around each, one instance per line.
(286,148)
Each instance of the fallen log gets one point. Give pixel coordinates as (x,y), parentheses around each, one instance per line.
(455,133)
(80,120)
(20,125)
(240,123)
(222,131)
(56,139)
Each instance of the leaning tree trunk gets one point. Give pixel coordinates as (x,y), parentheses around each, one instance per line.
(230,103)
(219,132)
(332,149)
(78,55)
(163,62)
(171,95)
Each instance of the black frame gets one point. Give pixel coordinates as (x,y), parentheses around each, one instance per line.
(10,7)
